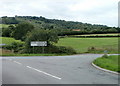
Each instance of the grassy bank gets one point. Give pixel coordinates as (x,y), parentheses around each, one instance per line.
(6,25)
(108,62)
(82,45)
(7,40)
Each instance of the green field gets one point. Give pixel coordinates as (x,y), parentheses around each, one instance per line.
(110,34)
(110,63)
(81,45)
(6,25)
(6,40)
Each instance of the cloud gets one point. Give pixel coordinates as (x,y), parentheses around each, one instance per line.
(88,11)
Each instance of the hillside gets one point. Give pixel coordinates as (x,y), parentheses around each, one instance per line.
(61,25)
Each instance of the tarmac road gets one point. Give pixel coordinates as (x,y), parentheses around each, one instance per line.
(74,69)
(0,71)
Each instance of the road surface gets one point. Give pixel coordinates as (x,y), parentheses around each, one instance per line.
(0,71)
(74,69)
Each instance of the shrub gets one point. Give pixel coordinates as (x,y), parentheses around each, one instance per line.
(15,46)
(91,48)
(105,56)
(67,50)
(51,49)
(62,49)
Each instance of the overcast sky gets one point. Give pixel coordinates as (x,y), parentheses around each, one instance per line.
(87,11)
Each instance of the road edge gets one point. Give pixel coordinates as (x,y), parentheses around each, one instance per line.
(104,69)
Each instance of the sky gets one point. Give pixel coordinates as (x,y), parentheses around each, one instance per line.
(103,12)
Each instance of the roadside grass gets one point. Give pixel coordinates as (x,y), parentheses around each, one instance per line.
(33,54)
(108,62)
(3,51)
(7,40)
(83,45)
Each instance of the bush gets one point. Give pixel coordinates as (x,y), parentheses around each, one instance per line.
(67,50)
(105,56)
(15,46)
(51,49)
(62,50)
(91,48)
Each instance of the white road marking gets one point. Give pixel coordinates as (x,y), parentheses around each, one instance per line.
(18,62)
(44,72)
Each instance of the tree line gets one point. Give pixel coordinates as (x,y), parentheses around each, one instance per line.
(64,27)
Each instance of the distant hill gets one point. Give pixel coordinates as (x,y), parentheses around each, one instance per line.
(44,23)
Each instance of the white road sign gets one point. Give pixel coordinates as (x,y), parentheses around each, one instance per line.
(39,43)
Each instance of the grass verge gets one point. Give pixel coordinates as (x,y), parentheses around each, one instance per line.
(33,54)
(4,52)
(108,62)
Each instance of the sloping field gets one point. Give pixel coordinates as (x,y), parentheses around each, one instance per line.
(7,40)
(81,45)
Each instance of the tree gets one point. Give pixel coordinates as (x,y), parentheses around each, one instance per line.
(6,32)
(9,20)
(21,30)
(40,35)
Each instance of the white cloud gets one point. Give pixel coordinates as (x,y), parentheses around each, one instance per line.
(89,11)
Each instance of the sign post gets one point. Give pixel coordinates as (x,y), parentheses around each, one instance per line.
(43,49)
(33,49)
(39,43)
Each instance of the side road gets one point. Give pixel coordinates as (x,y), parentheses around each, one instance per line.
(74,69)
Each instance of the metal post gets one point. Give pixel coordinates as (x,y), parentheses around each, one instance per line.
(33,49)
(43,49)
